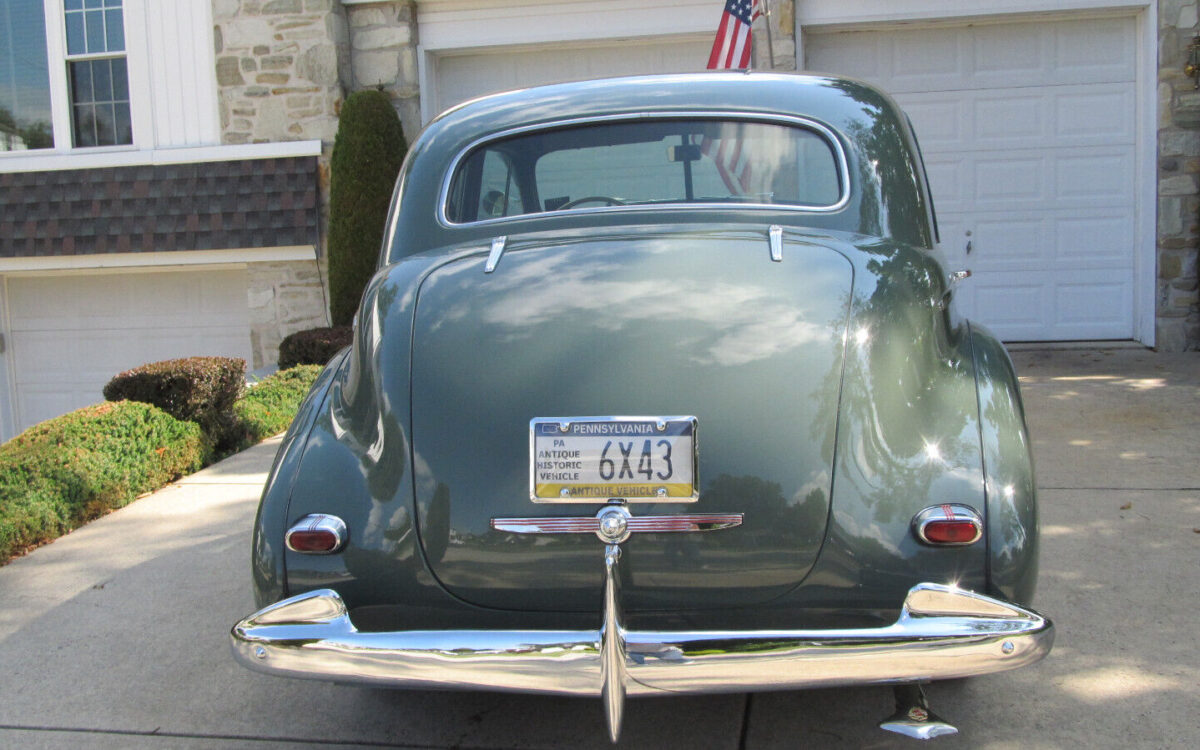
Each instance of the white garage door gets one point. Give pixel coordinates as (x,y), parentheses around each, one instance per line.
(458,78)
(1028,131)
(71,334)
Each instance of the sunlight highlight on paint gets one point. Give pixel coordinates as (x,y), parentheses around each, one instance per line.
(932,451)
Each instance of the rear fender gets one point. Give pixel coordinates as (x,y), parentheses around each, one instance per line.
(268,569)
(1008,470)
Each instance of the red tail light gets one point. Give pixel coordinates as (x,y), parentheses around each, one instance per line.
(318,534)
(948,525)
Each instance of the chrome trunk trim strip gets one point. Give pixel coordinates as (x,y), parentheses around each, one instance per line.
(681,522)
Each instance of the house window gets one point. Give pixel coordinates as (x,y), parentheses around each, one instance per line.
(25,111)
(98,81)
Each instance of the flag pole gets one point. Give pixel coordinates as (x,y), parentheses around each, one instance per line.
(770,45)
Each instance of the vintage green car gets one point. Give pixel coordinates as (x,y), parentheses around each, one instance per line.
(658,389)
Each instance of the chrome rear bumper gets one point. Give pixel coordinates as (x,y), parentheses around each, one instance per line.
(942,632)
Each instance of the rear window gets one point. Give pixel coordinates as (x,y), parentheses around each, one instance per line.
(646,162)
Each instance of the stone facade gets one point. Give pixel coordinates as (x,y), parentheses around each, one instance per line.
(284,297)
(1178,314)
(782,37)
(279,68)
(282,68)
(383,55)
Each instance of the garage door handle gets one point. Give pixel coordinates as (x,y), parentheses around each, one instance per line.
(968,247)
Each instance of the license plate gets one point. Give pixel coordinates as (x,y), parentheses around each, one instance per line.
(594,459)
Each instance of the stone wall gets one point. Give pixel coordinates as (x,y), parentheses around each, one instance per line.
(1178,315)
(284,297)
(279,68)
(282,69)
(783,37)
(383,44)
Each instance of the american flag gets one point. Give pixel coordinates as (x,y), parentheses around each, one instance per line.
(731,48)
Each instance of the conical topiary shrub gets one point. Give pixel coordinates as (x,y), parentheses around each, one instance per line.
(367,154)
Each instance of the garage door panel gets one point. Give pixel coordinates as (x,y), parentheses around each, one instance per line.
(1048,310)
(462,77)
(1010,301)
(1078,179)
(1004,55)
(1094,240)
(131,302)
(71,334)
(1044,309)
(1012,55)
(42,402)
(1104,176)
(1082,304)
(929,62)
(857,55)
(939,120)
(1010,119)
(1095,51)
(1011,242)
(1101,113)
(1049,241)
(948,175)
(1004,119)
(1006,181)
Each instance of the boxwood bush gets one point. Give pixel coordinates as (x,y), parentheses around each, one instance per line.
(63,472)
(270,404)
(314,346)
(196,389)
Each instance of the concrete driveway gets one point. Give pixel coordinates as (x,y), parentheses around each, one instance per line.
(115,636)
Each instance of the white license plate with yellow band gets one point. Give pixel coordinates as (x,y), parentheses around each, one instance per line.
(594,459)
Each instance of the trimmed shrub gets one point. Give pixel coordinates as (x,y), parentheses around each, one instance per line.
(270,404)
(63,472)
(196,389)
(315,346)
(367,153)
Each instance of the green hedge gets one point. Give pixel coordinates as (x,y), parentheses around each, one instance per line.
(313,346)
(63,472)
(194,389)
(270,405)
(367,152)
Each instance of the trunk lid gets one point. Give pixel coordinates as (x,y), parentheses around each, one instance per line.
(653,325)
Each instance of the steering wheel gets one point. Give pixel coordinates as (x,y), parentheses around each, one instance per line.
(606,200)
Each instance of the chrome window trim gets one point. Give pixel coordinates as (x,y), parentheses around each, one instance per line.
(737,115)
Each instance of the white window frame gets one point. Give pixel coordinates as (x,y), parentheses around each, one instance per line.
(85,57)
(60,99)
